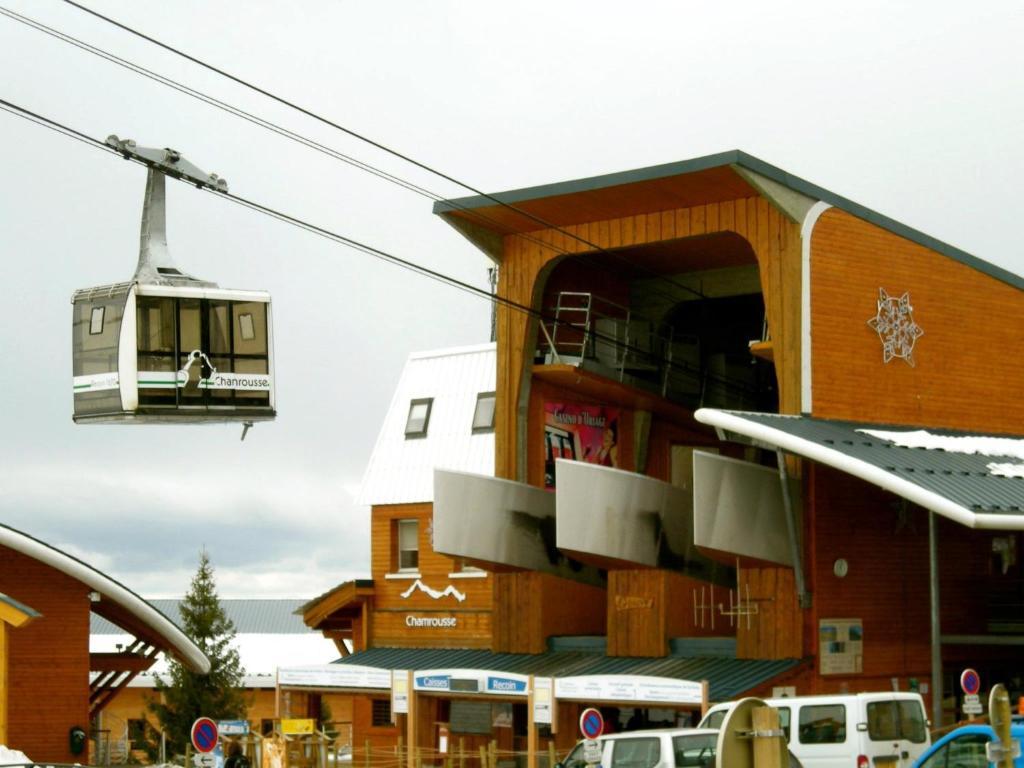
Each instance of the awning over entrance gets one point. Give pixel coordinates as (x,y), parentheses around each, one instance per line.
(727,677)
(976,480)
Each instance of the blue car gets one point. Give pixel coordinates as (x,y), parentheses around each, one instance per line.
(965,748)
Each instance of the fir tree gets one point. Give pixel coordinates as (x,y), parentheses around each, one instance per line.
(186,695)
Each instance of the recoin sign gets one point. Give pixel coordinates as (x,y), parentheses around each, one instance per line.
(471,681)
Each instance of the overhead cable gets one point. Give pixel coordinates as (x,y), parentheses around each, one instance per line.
(382,147)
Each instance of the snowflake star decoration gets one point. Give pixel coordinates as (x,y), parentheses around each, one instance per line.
(896,328)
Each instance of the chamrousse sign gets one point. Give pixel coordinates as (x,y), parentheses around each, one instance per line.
(435,622)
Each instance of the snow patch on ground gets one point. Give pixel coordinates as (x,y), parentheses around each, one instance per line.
(8,756)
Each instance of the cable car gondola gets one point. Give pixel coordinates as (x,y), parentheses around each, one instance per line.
(166,347)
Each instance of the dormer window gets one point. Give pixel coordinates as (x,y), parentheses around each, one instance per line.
(483,415)
(419,417)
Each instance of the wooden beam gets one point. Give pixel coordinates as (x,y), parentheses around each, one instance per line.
(339,641)
(119,662)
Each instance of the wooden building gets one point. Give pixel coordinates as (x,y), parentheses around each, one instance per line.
(736,417)
(268,634)
(51,686)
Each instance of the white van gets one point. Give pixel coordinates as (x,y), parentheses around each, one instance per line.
(856,730)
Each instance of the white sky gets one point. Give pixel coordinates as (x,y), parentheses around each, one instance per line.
(911,109)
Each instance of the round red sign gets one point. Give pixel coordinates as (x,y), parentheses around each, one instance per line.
(970,682)
(204,735)
(591,723)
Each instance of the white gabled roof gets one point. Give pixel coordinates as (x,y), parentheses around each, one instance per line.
(401,471)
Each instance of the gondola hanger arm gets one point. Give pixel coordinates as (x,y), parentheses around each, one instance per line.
(169,162)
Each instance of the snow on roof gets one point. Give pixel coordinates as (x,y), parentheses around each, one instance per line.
(401,470)
(970,445)
(260,654)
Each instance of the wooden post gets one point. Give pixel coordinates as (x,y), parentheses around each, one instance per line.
(366,753)
(401,749)
(419,757)
(999,715)
(705,704)
(411,720)
(768,750)
(531,728)
(462,752)
(493,750)
(552,757)
(483,756)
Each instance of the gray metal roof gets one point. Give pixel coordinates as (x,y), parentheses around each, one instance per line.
(256,617)
(725,159)
(964,479)
(728,678)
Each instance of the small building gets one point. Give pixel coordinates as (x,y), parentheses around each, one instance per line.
(748,435)
(269,634)
(51,685)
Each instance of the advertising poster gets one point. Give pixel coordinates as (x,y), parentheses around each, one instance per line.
(841,646)
(579,432)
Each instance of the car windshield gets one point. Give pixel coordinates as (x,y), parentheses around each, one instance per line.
(714,719)
(575,758)
(695,750)
(636,753)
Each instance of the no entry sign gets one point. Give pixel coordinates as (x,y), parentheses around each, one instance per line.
(591,723)
(204,734)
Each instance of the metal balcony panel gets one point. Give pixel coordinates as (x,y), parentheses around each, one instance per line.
(738,508)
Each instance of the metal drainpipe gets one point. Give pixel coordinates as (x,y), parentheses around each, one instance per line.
(933,578)
(803,597)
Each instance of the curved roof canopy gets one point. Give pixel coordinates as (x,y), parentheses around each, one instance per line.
(117,603)
(976,480)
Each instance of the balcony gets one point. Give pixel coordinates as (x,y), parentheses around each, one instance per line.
(587,332)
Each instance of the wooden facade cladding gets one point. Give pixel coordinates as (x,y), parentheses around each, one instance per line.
(48,669)
(967,316)
(526,263)
(886,587)
(776,630)
(531,606)
(646,608)
(403,611)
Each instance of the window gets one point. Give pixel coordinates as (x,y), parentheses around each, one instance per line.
(266,726)
(140,733)
(893,720)
(636,753)
(483,415)
(823,724)
(419,417)
(246,327)
(408,545)
(96,321)
(695,751)
(381,713)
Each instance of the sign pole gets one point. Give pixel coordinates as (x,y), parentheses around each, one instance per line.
(591,726)
(936,638)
